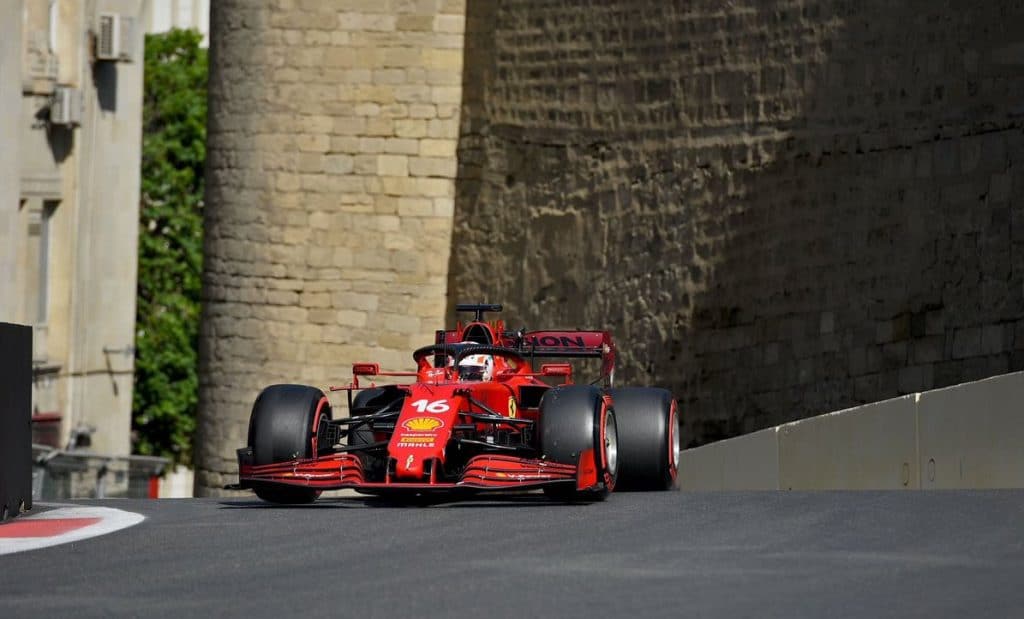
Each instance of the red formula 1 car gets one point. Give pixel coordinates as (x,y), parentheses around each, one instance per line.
(477,415)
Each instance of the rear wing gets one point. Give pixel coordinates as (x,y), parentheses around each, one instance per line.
(549,345)
(570,344)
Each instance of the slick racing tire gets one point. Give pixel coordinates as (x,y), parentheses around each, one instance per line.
(284,421)
(573,419)
(648,438)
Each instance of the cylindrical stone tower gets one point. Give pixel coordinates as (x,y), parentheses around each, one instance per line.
(331,164)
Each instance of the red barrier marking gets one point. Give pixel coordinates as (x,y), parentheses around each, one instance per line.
(44,527)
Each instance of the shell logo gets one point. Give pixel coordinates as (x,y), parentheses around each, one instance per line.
(422,424)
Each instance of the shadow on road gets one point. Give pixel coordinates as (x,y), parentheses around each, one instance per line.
(502,501)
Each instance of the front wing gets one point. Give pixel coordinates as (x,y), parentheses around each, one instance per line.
(487,472)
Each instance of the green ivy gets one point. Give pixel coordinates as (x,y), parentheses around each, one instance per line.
(170,245)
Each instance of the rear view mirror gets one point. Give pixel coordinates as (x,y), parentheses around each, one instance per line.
(366,369)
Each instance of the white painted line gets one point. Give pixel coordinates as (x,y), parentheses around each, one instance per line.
(110,520)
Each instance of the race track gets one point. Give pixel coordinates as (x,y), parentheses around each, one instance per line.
(773,554)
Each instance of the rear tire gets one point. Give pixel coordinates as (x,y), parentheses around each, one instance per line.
(573,419)
(284,421)
(366,402)
(648,438)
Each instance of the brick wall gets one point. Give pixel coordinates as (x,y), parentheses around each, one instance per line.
(332,137)
(780,208)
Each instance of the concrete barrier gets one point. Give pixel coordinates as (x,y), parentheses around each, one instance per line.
(748,462)
(872,447)
(15,419)
(972,435)
(178,483)
(78,474)
(966,436)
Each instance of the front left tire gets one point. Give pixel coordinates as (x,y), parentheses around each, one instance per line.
(284,422)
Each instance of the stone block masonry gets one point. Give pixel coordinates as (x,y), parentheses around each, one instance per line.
(779,208)
(331,164)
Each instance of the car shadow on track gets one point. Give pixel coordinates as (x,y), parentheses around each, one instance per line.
(360,502)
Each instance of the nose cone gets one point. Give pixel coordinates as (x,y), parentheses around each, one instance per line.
(410,468)
(418,438)
(423,429)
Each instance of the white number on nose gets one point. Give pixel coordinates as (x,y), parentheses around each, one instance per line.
(431,406)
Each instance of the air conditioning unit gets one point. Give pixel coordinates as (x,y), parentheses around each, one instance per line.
(66,107)
(114,37)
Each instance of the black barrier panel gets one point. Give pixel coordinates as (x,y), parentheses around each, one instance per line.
(15,419)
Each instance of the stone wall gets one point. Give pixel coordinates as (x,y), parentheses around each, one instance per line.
(779,208)
(332,138)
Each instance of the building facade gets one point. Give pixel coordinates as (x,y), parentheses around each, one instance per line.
(183,14)
(70,125)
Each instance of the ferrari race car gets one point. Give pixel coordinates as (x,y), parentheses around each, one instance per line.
(477,415)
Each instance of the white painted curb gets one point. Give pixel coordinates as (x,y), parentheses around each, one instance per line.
(111,520)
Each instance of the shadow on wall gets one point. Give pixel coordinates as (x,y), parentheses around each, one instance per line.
(60,138)
(104,77)
(779,211)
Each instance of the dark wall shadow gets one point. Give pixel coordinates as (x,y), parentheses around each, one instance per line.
(104,78)
(780,209)
(60,138)
(473,221)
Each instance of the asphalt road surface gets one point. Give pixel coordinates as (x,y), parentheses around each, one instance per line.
(771,554)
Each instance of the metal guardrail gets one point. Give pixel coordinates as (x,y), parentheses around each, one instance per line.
(74,474)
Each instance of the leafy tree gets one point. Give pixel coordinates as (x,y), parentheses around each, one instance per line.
(170,245)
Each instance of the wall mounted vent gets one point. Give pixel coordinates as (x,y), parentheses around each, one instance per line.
(114,37)
(66,107)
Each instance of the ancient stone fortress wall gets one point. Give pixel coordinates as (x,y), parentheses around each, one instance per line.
(332,138)
(780,208)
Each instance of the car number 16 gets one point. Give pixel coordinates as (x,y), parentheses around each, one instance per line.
(431,406)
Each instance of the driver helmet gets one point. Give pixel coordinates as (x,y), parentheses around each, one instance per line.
(476,367)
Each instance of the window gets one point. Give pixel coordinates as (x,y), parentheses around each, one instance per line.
(37,261)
